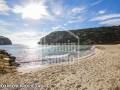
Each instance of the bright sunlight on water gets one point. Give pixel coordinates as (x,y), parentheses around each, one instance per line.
(34,55)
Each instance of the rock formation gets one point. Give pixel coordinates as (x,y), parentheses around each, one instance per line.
(100,35)
(7,62)
(5,41)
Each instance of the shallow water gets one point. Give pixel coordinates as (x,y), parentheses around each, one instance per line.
(33,56)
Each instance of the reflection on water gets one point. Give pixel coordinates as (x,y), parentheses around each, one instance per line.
(45,54)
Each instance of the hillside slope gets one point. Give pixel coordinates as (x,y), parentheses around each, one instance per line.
(5,41)
(100,35)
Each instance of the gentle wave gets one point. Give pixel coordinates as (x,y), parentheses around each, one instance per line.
(46,54)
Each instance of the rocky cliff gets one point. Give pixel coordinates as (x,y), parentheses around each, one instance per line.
(7,62)
(5,41)
(100,35)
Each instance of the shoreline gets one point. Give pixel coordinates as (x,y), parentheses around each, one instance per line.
(24,70)
(100,71)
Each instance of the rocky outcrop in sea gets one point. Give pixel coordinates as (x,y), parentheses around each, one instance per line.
(5,41)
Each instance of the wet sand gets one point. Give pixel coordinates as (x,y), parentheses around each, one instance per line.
(100,71)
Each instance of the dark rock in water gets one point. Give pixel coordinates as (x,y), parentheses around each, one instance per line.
(5,41)
(4,52)
(7,62)
(12,58)
(100,35)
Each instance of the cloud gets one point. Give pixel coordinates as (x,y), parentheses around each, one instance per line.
(32,10)
(105,17)
(108,19)
(77,19)
(41,9)
(78,10)
(5,26)
(102,12)
(56,7)
(56,28)
(4,29)
(96,2)
(5,23)
(4,8)
(75,15)
(111,22)
(59,28)
(26,37)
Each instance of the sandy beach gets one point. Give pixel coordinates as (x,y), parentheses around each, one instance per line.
(100,71)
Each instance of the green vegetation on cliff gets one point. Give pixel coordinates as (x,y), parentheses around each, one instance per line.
(100,35)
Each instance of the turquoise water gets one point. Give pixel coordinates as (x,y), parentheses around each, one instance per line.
(45,54)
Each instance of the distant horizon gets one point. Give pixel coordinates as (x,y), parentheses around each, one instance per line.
(34,43)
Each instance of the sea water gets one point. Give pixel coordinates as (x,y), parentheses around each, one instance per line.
(45,54)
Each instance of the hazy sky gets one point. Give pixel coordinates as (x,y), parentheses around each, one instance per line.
(25,21)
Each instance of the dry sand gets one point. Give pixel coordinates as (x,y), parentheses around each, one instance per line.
(98,72)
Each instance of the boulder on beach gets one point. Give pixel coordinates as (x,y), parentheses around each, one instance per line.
(5,41)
